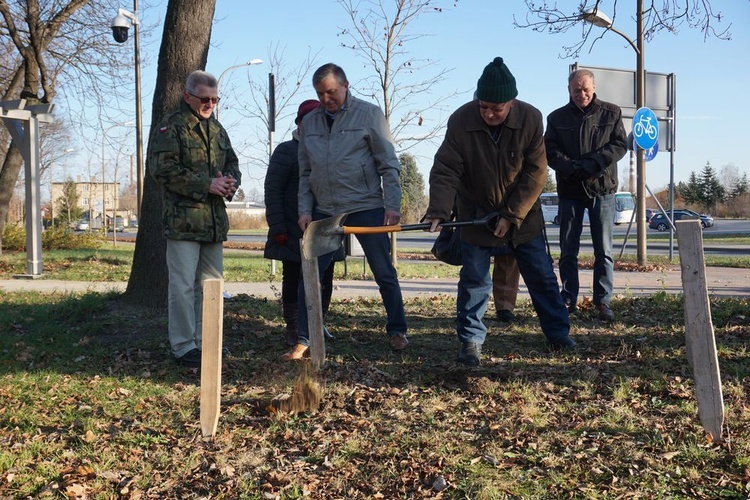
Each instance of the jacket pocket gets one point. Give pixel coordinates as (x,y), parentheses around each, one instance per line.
(189,217)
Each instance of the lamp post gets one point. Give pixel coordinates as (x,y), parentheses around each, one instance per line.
(598,18)
(251,62)
(121,21)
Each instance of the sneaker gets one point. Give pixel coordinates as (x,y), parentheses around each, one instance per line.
(191,359)
(605,313)
(506,316)
(327,335)
(563,344)
(399,342)
(470,354)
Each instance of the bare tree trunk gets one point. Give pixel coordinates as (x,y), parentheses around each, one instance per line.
(184,48)
(12,162)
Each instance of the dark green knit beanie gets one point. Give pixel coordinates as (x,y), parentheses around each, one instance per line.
(496,83)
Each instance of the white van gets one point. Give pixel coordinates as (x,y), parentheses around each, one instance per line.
(624,206)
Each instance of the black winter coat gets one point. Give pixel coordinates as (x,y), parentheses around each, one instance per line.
(593,139)
(281,186)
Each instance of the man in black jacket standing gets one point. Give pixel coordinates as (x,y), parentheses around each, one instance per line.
(584,140)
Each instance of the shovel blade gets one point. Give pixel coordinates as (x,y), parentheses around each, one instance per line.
(322,237)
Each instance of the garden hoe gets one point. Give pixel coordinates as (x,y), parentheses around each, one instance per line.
(324,236)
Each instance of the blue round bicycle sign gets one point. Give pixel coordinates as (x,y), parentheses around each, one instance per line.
(645,128)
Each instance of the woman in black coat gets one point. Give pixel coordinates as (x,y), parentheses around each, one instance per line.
(281,186)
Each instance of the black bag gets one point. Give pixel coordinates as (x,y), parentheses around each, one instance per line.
(447,246)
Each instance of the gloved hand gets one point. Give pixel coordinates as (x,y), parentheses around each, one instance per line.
(583,170)
(281,238)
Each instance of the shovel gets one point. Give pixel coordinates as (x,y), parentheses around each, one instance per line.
(324,236)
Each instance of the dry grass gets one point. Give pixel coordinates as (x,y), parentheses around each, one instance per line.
(92,405)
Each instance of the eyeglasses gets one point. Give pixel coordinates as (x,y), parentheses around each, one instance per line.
(494,109)
(206,100)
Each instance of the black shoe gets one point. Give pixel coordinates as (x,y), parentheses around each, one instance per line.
(572,307)
(605,313)
(192,359)
(470,354)
(563,344)
(506,316)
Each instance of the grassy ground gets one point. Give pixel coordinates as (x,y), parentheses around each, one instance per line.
(92,406)
(113,264)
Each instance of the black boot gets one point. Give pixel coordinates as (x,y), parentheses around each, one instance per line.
(290,318)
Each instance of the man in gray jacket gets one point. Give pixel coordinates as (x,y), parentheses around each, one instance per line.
(348,164)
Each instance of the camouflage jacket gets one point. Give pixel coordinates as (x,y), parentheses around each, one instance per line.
(184,162)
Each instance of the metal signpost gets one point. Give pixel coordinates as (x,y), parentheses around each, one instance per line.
(22,121)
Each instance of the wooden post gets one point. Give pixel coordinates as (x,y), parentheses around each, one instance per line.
(213,322)
(699,330)
(314,305)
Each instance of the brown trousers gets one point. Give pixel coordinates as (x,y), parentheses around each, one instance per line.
(505,276)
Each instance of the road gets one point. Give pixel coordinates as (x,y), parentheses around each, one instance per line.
(421,240)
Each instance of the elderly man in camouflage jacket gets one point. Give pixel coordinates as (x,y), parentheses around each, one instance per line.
(191,156)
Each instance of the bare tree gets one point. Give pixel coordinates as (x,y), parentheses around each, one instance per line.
(255,150)
(184,48)
(400,83)
(661,15)
(50,45)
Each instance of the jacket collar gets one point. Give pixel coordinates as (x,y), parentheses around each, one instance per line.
(475,121)
(595,104)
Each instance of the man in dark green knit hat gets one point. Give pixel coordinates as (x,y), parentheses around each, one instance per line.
(493,161)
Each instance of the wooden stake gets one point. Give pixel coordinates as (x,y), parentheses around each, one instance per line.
(213,322)
(699,330)
(314,305)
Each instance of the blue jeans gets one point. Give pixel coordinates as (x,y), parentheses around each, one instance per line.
(475,285)
(377,248)
(601,218)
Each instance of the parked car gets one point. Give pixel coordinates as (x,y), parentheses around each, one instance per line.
(660,223)
(81,225)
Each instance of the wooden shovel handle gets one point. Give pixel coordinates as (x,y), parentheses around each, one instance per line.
(382,229)
(488,221)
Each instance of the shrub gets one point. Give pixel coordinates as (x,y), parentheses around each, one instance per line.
(56,238)
(246,221)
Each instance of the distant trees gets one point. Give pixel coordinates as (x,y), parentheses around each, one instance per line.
(67,204)
(46,45)
(727,194)
(380,33)
(413,199)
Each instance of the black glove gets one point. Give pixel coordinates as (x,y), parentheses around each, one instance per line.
(585,169)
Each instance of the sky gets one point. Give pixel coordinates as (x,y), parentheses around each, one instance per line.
(712,75)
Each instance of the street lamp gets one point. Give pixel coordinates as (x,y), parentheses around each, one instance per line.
(218,82)
(598,18)
(120,25)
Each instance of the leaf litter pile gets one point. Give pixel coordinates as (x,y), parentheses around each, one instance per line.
(92,406)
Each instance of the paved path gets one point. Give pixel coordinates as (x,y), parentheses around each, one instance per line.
(721,281)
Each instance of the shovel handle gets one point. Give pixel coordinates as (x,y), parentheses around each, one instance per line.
(488,221)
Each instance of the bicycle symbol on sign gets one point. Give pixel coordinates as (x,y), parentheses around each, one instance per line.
(644,126)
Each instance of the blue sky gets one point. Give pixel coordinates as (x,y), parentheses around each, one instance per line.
(712,75)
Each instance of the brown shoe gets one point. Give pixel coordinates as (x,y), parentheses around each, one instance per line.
(605,313)
(298,352)
(399,342)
